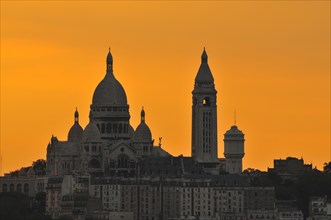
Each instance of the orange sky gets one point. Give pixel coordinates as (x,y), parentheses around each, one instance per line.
(270,61)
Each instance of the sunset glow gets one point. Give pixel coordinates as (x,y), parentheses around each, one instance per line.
(270,62)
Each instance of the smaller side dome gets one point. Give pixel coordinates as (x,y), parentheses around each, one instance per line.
(142,133)
(76,131)
(91,133)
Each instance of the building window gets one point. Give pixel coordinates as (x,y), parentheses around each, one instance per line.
(11,187)
(120,128)
(115,128)
(206,101)
(206,132)
(123,161)
(109,128)
(26,188)
(19,188)
(4,187)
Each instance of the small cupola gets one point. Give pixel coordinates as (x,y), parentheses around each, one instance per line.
(76,131)
(142,133)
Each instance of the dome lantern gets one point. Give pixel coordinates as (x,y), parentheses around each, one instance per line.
(142,115)
(109,62)
(76,116)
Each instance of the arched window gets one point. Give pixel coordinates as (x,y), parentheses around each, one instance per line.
(122,161)
(4,187)
(109,128)
(94,163)
(206,101)
(26,188)
(11,187)
(120,128)
(102,128)
(115,128)
(19,188)
(112,164)
(86,147)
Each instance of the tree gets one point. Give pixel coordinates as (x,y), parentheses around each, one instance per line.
(327,167)
(39,166)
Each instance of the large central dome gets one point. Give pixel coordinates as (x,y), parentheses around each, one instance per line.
(109,92)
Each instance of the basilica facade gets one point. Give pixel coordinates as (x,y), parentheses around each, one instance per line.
(109,145)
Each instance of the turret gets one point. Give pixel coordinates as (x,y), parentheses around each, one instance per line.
(76,131)
(142,138)
(234,149)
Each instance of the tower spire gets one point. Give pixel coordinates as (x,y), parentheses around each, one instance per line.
(204,74)
(204,56)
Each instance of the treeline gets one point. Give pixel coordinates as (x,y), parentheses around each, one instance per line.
(299,188)
(38,166)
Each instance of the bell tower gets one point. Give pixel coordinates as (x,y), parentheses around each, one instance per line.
(204,115)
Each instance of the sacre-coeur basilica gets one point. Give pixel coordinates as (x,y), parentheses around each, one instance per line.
(109,146)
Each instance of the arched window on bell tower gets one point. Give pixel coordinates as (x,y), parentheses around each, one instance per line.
(206,101)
